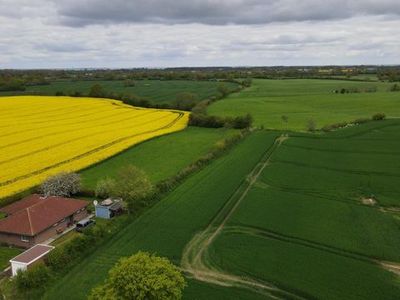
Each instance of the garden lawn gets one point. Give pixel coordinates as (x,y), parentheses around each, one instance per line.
(6,253)
(301,100)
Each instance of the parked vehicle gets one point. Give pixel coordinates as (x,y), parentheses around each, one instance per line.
(83,224)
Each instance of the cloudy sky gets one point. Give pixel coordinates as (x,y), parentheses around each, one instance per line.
(171,33)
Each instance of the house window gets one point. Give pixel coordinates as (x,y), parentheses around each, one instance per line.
(24,238)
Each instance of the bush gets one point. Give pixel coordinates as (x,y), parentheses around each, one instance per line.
(58,258)
(96,91)
(242,122)
(379,117)
(395,88)
(202,120)
(186,100)
(311,125)
(34,277)
(361,120)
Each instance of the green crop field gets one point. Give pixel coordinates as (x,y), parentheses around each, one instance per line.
(171,224)
(161,157)
(302,100)
(307,225)
(159,91)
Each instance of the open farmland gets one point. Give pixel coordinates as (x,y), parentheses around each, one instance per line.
(307,223)
(171,224)
(302,218)
(301,100)
(42,136)
(157,91)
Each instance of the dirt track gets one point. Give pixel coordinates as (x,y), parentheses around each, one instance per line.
(194,258)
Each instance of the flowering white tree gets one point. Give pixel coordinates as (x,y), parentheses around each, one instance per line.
(62,184)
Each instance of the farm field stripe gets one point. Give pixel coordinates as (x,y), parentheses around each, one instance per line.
(95,125)
(50,147)
(357,172)
(73,122)
(36,172)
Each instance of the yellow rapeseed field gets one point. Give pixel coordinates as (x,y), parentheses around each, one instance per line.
(41,136)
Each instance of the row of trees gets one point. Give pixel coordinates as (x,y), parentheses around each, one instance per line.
(204,120)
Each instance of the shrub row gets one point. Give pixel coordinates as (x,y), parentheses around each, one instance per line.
(203,120)
(220,148)
(375,117)
(35,277)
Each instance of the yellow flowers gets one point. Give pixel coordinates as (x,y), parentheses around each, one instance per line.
(41,136)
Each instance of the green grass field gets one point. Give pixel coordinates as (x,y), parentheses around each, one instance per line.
(304,99)
(161,157)
(6,253)
(170,225)
(159,91)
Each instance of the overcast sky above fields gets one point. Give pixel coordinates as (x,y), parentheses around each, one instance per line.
(171,33)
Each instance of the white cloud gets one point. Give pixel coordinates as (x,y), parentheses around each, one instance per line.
(32,35)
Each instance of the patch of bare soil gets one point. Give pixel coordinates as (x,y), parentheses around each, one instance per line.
(392,267)
(368,201)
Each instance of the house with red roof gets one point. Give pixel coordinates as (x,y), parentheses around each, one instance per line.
(36,219)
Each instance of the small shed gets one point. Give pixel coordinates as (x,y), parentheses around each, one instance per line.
(108,208)
(29,258)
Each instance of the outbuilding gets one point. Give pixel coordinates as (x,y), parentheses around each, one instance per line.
(29,258)
(108,208)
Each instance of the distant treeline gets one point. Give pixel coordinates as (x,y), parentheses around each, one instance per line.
(18,79)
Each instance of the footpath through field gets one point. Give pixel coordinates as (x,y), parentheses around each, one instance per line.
(194,258)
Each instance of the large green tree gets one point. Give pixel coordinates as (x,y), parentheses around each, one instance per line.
(131,184)
(141,276)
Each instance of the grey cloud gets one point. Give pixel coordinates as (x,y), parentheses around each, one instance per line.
(216,12)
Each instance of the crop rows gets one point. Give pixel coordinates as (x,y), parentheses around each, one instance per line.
(41,136)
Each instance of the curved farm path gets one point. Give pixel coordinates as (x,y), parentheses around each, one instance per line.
(194,258)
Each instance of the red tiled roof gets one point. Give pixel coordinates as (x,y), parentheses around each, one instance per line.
(32,254)
(38,213)
(22,204)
